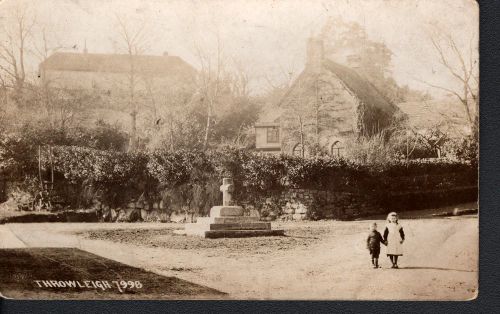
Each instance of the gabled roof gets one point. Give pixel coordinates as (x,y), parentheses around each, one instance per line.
(117,63)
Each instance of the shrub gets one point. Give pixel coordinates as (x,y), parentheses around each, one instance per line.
(19,149)
(191,179)
(113,177)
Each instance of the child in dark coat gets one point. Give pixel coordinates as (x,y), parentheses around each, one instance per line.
(373,244)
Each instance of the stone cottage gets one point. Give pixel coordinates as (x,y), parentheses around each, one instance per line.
(326,104)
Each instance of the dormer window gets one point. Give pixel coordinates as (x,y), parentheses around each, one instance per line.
(273,134)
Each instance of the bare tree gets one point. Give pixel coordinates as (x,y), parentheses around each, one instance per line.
(240,80)
(45,46)
(13,49)
(60,110)
(299,117)
(134,41)
(166,108)
(64,106)
(210,82)
(285,79)
(461,64)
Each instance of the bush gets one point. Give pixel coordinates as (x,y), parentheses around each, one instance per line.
(112,177)
(190,180)
(19,149)
(321,172)
(103,136)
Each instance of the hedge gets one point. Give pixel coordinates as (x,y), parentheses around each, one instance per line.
(117,177)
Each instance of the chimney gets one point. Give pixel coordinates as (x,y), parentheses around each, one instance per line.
(85,47)
(315,54)
(165,53)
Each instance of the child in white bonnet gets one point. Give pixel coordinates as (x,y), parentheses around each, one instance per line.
(394,237)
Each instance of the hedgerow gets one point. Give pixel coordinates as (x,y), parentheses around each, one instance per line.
(191,178)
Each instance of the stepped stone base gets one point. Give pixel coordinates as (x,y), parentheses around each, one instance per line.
(225,211)
(229,227)
(226,220)
(213,234)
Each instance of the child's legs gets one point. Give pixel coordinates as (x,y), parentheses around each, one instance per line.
(375,255)
(395,259)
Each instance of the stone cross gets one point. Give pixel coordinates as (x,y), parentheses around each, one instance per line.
(227,189)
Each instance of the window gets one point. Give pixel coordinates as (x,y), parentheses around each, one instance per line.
(337,150)
(298,151)
(273,135)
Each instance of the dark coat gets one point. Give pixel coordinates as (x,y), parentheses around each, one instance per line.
(374,240)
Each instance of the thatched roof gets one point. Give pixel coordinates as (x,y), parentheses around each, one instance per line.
(365,91)
(117,63)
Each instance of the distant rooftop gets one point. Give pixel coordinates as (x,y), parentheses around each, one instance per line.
(116,63)
(448,114)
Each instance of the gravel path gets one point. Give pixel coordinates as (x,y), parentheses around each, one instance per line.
(317,260)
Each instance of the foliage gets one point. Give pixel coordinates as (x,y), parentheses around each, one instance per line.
(103,136)
(114,177)
(189,180)
(371,150)
(372,59)
(467,149)
(19,149)
(395,144)
(232,126)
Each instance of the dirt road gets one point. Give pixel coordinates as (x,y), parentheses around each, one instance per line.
(330,262)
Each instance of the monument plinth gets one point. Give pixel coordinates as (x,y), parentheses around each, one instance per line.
(228,220)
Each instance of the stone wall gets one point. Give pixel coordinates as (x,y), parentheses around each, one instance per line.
(141,211)
(300,204)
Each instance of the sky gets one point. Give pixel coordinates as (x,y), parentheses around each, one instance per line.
(268,38)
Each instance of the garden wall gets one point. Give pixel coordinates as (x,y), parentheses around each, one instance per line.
(403,194)
(301,204)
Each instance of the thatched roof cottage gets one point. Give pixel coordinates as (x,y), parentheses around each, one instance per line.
(325,105)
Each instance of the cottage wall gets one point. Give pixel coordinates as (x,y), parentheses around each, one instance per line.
(318,100)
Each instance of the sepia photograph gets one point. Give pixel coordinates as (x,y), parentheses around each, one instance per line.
(239,150)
